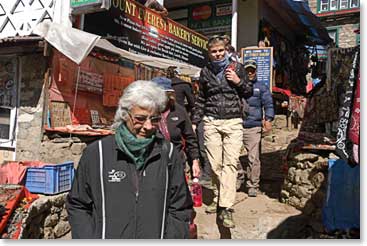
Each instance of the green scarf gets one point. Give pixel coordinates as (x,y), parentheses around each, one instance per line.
(134,147)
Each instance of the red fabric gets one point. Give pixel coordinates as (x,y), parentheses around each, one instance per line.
(14,172)
(353,133)
(280,90)
(163,125)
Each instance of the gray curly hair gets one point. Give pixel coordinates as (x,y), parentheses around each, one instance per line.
(141,93)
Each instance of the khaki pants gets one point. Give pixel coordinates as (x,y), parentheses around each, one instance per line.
(251,140)
(223,141)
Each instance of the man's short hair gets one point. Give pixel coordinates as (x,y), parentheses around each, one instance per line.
(215,40)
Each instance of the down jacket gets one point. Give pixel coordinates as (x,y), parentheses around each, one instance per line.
(260,100)
(122,202)
(220,98)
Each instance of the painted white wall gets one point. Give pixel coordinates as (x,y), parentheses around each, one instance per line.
(248,23)
(18,18)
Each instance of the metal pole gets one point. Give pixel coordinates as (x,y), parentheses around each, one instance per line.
(234,24)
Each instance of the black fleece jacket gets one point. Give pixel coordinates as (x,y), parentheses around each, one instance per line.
(134,200)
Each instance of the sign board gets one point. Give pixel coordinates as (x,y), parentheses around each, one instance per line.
(133,27)
(60,114)
(88,6)
(264,60)
(211,18)
(91,82)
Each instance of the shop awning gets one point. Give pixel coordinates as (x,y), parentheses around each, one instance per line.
(297,13)
(77,44)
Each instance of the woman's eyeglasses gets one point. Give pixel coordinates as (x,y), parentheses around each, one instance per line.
(141,119)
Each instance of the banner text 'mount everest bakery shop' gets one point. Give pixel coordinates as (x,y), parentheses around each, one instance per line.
(133,27)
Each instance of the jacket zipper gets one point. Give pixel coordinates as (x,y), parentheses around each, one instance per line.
(136,177)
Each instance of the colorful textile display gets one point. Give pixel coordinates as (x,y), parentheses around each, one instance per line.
(344,147)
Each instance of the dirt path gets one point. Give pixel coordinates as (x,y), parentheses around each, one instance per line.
(255,217)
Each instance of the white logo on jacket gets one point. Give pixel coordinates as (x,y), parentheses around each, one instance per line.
(116,176)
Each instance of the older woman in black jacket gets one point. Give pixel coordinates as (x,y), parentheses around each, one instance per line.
(131,184)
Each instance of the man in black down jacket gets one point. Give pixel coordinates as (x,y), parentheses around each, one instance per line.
(131,184)
(221,87)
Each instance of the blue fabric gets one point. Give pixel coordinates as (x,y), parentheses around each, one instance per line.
(342,204)
(219,66)
(260,99)
(163,82)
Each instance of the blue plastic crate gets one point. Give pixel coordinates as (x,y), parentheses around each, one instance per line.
(50,179)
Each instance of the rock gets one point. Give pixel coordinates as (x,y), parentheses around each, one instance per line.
(302,157)
(55,210)
(300,165)
(318,179)
(59,200)
(310,165)
(61,229)
(76,140)
(291,173)
(333,156)
(304,177)
(77,148)
(284,194)
(60,140)
(39,206)
(51,220)
(64,215)
(48,233)
(303,192)
(294,201)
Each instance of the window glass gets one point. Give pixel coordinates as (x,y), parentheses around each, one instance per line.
(343,4)
(4,123)
(324,5)
(7,84)
(333,4)
(354,3)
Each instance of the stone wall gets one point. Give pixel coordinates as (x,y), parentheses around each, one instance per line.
(29,127)
(305,187)
(47,218)
(61,149)
(347,37)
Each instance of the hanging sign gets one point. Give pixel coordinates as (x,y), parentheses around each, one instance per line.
(264,60)
(133,27)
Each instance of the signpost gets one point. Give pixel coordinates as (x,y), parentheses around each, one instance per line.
(133,27)
(264,60)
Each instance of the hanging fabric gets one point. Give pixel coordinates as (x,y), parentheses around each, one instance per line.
(344,147)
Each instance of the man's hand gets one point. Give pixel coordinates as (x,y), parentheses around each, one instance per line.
(196,168)
(232,76)
(267,125)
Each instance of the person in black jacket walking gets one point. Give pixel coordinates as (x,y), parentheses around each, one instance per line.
(131,184)
(183,89)
(221,86)
(176,127)
(254,124)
